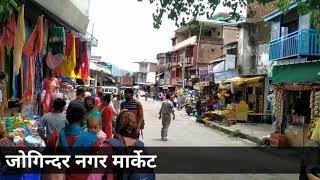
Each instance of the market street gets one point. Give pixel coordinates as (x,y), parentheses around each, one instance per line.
(184,131)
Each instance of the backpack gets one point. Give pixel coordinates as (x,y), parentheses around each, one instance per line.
(119,146)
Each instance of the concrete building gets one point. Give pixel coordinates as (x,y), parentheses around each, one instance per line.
(163,70)
(146,74)
(294,52)
(190,55)
(100,72)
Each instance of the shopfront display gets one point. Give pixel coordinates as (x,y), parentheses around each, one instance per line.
(296,110)
(40,46)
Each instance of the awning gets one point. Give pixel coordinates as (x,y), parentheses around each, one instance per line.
(294,73)
(244,80)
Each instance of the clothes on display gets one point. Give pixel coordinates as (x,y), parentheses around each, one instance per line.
(9,33)
(19,41)
(69,63)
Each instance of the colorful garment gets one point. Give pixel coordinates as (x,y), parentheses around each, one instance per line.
(19,42)
(73,136)
(35,42)
(39,75)
(54,61)
(79,58)
(69,63)
(9,32)
(85,72)
(50,85)
(56,40)
(92,114)
(55,47)
(107,114)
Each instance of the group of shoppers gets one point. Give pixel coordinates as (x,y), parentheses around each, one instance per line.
(88,124)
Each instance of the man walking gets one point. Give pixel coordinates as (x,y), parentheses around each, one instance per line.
(165,113)
(134,106)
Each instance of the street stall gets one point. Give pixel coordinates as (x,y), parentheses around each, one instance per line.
(239,99)
(296,104)
(34,49)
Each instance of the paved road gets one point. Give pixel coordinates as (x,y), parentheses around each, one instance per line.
(185,132)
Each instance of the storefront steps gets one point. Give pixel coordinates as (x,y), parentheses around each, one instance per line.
(256,133)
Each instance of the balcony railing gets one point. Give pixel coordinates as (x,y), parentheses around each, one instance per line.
(304,42)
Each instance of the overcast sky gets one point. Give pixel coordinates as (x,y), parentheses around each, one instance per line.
(125,32)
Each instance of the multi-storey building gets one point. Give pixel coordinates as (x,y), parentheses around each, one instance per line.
(147,73)
(190,55)
(294,52)
(163,73)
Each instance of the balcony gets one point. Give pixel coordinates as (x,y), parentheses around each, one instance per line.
(301,43)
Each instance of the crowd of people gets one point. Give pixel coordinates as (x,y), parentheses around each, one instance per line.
(91,122)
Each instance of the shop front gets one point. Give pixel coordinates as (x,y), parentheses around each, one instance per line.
(240,99)
(296,102)
(41,56)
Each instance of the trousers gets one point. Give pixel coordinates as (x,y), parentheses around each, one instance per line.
(166,119)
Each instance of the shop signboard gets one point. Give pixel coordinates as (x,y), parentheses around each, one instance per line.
(219,67)
(223,76)
(229,63)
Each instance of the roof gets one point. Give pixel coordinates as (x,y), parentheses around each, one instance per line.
(206,23)
(277,12)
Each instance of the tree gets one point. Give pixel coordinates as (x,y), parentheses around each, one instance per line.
(183,11)
(7,7)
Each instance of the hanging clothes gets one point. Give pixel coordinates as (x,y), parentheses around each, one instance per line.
(56,40)
(31,85)
(4,89)
(35,42)
(85,72)
(69,63)
(79,57)
(39,74)
(45,35)
(8,71)
(2,58)
(55,46)
(19,41)
(9,32)
(53,61)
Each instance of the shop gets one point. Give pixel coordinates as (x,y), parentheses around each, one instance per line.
(207,88)
(52,48)
(240,99)
(41,57)
(296,102)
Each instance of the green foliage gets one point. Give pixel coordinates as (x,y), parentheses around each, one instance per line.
(183,11)
(7,7)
